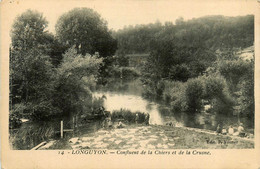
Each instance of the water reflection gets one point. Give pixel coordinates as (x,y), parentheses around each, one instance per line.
(117,101)
(127,95)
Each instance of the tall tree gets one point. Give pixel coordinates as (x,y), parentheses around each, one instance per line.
(84,28)
(29,31)
(87,31)
(30,69)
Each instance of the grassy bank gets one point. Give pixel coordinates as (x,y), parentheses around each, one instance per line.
(31,133)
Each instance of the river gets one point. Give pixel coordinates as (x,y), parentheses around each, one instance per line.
(127,95)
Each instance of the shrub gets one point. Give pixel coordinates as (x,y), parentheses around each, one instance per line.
(127,116)
(214,86)
(175,92)
(190,96)
(180,72)
(218,95)
(172,90)
(129,72)
(14,121)
(122,60)
(194,94)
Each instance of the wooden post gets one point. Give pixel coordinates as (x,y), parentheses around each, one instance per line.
(61,129)
(76,124)
(121,73)
(73,125)
(238,117)
(76,121)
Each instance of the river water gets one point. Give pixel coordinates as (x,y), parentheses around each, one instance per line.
(127,95)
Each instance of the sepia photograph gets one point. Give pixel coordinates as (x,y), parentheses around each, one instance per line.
(93,77)
(183,83)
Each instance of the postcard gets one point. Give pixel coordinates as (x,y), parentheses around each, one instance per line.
(130,84)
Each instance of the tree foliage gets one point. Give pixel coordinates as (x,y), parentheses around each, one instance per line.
(84,28)
(190,63)
(75,76)
(213,32)
(44,82)
(31,72)
(194,94)
(197,62)
(136,39)
(29,31)
(31,76)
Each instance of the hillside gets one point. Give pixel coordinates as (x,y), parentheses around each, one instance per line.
(212,32)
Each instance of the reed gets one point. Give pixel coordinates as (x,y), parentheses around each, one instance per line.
(127,116)
(30,134)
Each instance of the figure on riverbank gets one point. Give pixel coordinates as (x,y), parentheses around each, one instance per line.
(107,123)
(169,124)
(136,118)
(230,130)
(219,129)
(224,131)
(101,110)
(147,117)
(120,125)
(241,130)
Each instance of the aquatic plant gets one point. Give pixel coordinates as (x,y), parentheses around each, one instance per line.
(127,116)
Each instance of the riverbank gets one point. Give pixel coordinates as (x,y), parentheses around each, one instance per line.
(151,137)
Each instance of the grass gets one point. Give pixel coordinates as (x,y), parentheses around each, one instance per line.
(30,134)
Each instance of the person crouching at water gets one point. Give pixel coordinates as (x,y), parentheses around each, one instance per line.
(120,125)
(224,131)
(241,130)
(230,130)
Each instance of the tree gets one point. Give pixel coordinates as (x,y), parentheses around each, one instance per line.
(246,99)
(217,94)
(176,61)
(55,50)
(179,21)
(87,31)
(213,32)
(31,85)
(29,31)
(84,28)
(31,73)
(194,94)
(75,76)
(179,72)
(233,70)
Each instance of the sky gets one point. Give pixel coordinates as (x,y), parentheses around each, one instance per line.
(120,13)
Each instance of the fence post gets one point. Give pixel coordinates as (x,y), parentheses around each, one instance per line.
(61,129)
(73,124)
